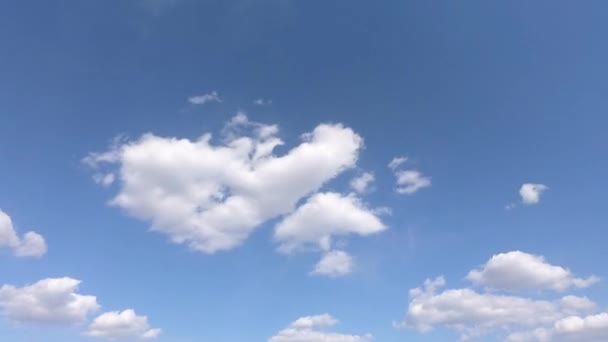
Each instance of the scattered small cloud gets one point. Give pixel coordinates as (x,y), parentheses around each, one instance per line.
(334,264)
(530,193)
(205,98)
(362,183)
(408,181)
(122,325)
(262,102)
(397,162)
(307,329)
(31,244)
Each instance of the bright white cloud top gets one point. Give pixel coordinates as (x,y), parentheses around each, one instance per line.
(517,271)
(592,328)
(53,300)
(308,329)
(122,325)
(323,216)
(205,98)
(472,313)
(212,196)
(530,193)
(31,244)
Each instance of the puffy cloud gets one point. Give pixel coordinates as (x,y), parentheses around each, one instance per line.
(334,264)
(205,98)
(125,324)
(361,183)
(262,102)
(530,193)
(593,328)
(212,197)
(516,271)
(408,181)
(473,313)
(52,300)
(31,244)
(303,330)
(325,215)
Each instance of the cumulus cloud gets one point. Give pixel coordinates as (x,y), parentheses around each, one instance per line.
(31,244)
(361,183)
(307,329)
(516,271)
(212,196)
(205,98)
(472,313)
(52,300)
(408,181)
(592,328)
(119,325)
(334,264)
(323,216)
(530,193)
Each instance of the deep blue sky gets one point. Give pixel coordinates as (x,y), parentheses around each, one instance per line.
(482,96)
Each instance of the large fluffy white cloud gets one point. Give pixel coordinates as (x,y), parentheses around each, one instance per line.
(53,300)
(122,325)
(323,216)
(516,271)
(523,318)
(473,313)
(212,196)
(530,193)
(31,244)
(307,329)
(334,264)
(592,328)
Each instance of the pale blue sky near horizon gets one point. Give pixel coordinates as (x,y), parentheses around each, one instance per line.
(480,96)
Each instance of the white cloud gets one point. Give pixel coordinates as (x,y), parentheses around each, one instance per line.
(516,271)
(125,324)
(31,244)
(205,98)
(593,328)
(262,102)
(361,183)
(473,314)
(52,300)
(530,193)
(212,196)
(334,264)
(325,215)
(397,162)
(303,330)
(409,181)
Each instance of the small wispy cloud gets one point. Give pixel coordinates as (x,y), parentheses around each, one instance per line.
(408,181)
(205,98)
(262,102)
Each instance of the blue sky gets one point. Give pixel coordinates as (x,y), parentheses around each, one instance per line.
(481,97)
